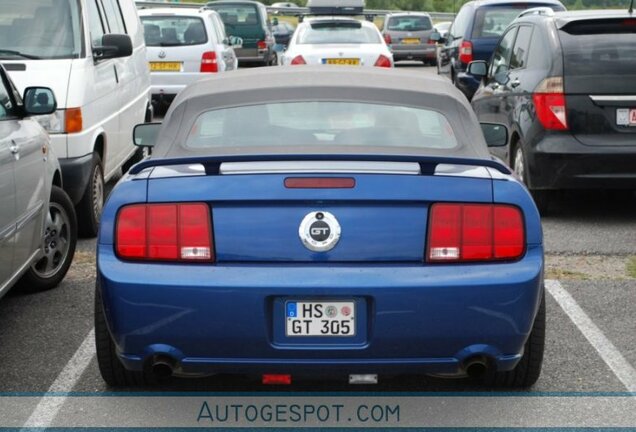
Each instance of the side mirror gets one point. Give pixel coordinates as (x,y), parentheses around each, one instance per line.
(496,135)
(478,68)
(236,41)
(436,37)
(113,46)
(146,134)
(39,101)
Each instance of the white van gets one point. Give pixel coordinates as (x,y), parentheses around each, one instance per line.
(92,54)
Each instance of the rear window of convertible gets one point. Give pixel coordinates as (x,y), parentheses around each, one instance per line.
(322,123)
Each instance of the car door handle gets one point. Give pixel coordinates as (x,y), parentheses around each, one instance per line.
(515,83)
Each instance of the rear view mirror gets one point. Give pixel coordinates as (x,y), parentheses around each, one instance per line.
(146,134)
(496,135)
(113,46)
(436,37)
(39,101)
(478,68)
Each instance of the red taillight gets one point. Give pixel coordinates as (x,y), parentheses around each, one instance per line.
(262,45)
(298,60)
(209,63)
(383,61)
(277,379)
(165,232)
(549,101)
(387,38)
(466,52)
(319,183)
(475,232)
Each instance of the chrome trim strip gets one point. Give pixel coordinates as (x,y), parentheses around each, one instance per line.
(5,287)
(471,171)
(27,217)
(7,232)
(319,167)
(190,170)
(612,98)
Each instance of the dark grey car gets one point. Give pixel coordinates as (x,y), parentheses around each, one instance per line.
(408,36)
(38,229)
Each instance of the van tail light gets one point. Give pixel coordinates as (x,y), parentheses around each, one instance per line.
(475,232)
(298,60)
(209,63)
(165,232)
(549,101)
(383,61)
(387,39)
(466,52)
(262,45)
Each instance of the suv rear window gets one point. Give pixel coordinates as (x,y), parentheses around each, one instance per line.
(338,33)
(492,21)
(322,123)
(409,23)
(237,15)
(173,31)
(599,52)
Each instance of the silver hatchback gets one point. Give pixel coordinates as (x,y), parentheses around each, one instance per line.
(38,228)
(408,36)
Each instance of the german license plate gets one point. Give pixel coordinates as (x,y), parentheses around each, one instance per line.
(626,116)
(307,318)
(165,66)
(411,41)
(342,61)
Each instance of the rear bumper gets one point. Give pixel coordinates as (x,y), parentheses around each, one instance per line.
(406,52)
(559,161)
(230,318)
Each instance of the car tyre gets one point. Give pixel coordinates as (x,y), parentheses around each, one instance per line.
(110,367)
(528,370)
(89,209)
(58,245)
(541,198)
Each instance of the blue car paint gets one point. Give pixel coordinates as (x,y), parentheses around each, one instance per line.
(228,317)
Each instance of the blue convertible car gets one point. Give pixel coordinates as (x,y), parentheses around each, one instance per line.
(307,221)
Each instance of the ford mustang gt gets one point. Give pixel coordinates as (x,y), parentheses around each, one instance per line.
(302,221)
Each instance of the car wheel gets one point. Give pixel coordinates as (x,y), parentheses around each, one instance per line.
(58,245)
(528,370)
(89,209)
(110,367)
(541,198)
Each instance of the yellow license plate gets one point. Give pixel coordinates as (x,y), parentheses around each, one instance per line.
(165,66)
(343,61)
(410,41)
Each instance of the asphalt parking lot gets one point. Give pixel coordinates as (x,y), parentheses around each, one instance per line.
(590,240)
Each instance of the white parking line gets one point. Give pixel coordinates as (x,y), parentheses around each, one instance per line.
(47,409)
(605,348)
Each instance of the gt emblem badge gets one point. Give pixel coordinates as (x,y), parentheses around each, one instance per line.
(319,231)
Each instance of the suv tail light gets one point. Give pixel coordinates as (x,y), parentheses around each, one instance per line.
(262,45)
(475,232)
(165,232)
(298,60)
(383,61)
(387,38)
(549,101)
(209,62)
(466,52)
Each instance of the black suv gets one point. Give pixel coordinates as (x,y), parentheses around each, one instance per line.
(564,84)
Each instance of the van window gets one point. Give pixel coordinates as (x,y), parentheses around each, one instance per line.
(537,58)
(238,15)
(40,29)
(492,21)
(114,17)
(95,23)
(410,23)
(6,106)
(458,29)
(174,30)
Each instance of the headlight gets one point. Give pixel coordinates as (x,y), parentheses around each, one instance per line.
(53,123)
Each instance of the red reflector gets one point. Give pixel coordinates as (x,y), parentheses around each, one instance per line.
(319,183)
(165,232)
(474,232)
(383,61)
(262,45)
(277,379)
(298,60)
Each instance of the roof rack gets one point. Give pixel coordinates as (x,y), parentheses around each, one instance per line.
(542,10)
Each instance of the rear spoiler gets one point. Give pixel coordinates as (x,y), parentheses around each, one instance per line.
(427,163)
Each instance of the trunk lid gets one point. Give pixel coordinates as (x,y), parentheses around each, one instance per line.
(383,217)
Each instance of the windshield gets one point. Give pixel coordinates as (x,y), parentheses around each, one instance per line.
(40,29)
(338,33)
(322,123)
(237,15)
(173,31)
(409,23)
